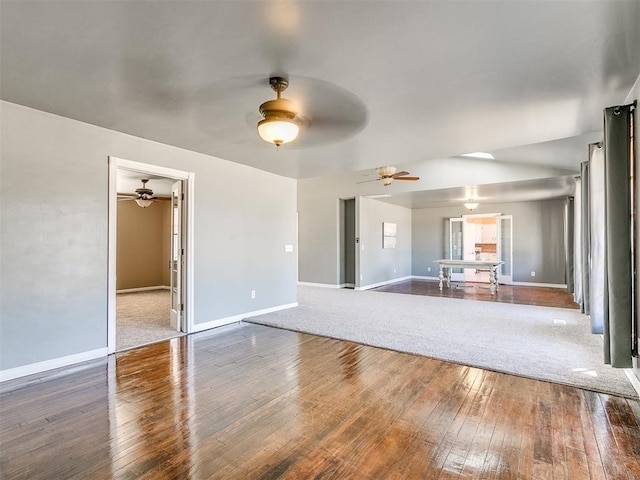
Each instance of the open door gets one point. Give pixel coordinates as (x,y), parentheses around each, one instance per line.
(177,256)
(456,246)
(505,248)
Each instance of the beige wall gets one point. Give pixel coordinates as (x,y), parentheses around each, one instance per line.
(143,245)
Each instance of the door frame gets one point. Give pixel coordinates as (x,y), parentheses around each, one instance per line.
(115,164)
(508,280)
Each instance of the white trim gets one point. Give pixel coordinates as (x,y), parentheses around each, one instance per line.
(635,383)
(143,289)
(324,285)
(422,277)
(199,327)
(386,282)
(189,178)
(531,284)
(189,288)
(59,362)
(111,255)
(479,215)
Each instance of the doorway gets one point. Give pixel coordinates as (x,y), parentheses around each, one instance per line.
(347,242)
(486,237)
(158,269)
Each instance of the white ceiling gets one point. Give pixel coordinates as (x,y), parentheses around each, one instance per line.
(385,82)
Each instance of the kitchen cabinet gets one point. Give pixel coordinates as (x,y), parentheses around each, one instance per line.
(489,233)
(486,233)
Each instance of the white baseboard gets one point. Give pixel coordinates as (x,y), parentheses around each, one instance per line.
(143,289)
(422,277)
(237,318)
(40,367)
(324,285)
(386,282)
(532,284)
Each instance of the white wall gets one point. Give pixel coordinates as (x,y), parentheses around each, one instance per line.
(53,239)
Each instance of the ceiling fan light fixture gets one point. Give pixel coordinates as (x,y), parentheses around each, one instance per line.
(143,202)
(278,130)
(386,171)
(279,125)
(471,205)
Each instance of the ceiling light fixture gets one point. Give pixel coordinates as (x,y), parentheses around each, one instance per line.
(471,205)
(144,203)
(144,196)
(488,156)
(278,125)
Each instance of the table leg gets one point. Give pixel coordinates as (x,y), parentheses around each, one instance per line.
(492,281)
(441,277)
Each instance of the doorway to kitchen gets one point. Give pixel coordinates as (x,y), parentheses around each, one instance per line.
(483,237)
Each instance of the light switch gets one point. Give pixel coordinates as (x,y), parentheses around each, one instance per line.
(288,248)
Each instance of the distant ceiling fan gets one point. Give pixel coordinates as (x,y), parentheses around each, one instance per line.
(143,197)
(388,174)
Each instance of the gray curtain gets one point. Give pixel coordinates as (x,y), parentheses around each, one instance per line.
(619,273)
(577,243)
(586,238)
(568,241)
(597,239)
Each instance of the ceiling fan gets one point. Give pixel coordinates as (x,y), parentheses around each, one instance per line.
(388,174)
(143,197)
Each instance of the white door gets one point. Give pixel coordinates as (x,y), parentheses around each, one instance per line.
(505,248)
(177,256)
(469,233)
(456,246)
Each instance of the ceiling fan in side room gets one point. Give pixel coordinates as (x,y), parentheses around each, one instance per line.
(388,174)
(143,196)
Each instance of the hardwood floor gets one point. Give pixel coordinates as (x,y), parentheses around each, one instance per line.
(541,296)
(253,402)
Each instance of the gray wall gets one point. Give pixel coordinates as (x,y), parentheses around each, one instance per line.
(53,240)
(379,264)
(538,238)
(319,206)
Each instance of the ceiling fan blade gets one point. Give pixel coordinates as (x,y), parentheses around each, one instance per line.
(124,199)
(367,181)
(400,174)
(412,179)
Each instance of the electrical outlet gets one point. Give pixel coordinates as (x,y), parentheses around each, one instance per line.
(428,269)
(360,277)
(533,274)
(253,294)
(394,270)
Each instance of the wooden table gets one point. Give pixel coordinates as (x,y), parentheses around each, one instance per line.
(477,264)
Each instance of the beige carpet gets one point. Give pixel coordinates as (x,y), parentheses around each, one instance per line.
(142,318)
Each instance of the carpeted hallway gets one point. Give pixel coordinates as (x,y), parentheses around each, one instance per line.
(142,318)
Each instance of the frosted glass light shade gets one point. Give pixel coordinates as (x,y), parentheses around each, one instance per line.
(143,202)
(471,205)
(278,130)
